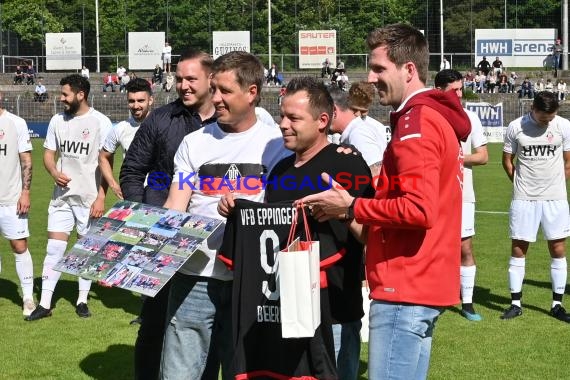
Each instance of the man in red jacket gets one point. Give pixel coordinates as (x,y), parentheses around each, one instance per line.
(413,224)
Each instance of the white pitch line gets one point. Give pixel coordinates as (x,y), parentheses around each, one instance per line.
(492,212)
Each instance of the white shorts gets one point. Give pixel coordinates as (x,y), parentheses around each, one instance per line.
(526,216)
(468,220)
(12,225)
(167,59)
(63,218)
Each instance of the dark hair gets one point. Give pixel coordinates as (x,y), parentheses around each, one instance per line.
(77,83)
(339,97)
(204,58)
(138,85)
(247,68)
(445,77)
(320,99)
(545,101)
(404,43)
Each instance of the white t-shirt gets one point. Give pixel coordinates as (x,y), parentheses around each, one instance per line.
(475,139)
(85,73)
(121,71)
(539,168)
(265,117)
(121,134)
(250,154)
(367,138)
(385,128)
(166,51)
(14,139)
(77,140)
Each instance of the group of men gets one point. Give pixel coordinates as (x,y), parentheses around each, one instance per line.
(411,227)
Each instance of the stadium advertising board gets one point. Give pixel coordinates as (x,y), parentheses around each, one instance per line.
(145,50)
(515,47)
(225,42)
(315,46)
(63,51)
(491,117)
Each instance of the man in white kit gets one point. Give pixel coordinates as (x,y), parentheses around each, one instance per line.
(140,99)
(474,153)
(16,172)
(540,142)
(75,135)
(166,57)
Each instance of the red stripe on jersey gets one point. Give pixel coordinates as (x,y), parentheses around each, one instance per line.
(229,263)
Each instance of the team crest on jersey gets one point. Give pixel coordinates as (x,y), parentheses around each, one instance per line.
(549,136)
(85,134)
(233,172)
(2,134)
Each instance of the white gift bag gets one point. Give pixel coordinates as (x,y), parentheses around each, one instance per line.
(300,286)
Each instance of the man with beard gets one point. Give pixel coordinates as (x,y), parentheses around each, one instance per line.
(75,136)
(139,99)
(152,153)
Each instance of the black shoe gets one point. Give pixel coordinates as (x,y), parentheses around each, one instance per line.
(82,310)
(136,321)
(559,313)
(512,312)
(38,313)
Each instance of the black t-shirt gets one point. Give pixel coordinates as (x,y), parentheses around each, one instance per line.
(287,183)
(254,235)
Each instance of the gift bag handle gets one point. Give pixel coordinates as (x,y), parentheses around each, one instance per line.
(293,228)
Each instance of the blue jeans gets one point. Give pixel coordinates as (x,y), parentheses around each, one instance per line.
(400,340)
(198,333)
(347,349)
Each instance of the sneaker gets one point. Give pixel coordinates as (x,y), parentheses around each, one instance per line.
(39,313)
(559,313)
(512,312)
(82,310)
(28,307)
(474,317)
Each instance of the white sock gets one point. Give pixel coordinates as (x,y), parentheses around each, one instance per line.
(25,271)
(558,275)
(54,252)
(516,276)
(84,286)
(467,275)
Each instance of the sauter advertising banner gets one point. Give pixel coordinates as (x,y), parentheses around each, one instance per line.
(225,42)
(515,47)
(63,51)
(315,46)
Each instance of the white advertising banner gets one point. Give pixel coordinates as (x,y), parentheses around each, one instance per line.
(491,117)
(225,42)
(315,46)
(515,47)
(63,51)
(145,50)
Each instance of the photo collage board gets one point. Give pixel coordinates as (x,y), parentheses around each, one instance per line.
(137,247)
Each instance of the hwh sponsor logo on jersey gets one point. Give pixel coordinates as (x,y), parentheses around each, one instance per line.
(4,149)
(76,147)
(539,150)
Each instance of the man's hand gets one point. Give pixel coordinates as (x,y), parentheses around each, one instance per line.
(23,203)
(61,179)
(97,208)
(226,205)
(329,204)
(116,190)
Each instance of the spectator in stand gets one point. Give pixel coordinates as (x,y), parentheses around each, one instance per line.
(85,72)
(157,75)
(557,50)
(549,86)
(512,82)
(498,66)
(121,71)
(561,90)
(326,70)
(484,66)
(123,82)
(30,75)
(491,82)
(342,81)
(272,75)
(539,85)
(40,93)
(109,80)
(469,81)
(166,57)
(445,64)
(503,83)
(527,89)
(480,80)
(19,75)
